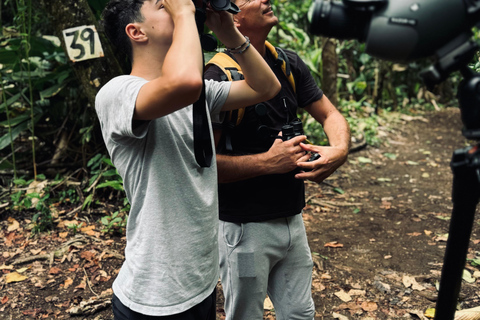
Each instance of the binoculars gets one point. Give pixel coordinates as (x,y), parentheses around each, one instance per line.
(293,129)
(220,5)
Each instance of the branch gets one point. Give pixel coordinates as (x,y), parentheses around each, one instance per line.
(60,252)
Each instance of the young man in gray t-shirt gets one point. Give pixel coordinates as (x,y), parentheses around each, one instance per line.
(171,258)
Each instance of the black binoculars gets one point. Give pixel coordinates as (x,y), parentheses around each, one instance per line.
(293,129)
(221,5)
(208,41)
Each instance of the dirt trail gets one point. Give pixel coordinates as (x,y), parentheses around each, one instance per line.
(386,234)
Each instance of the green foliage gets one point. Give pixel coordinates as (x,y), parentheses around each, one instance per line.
(362,119)
(313,129)
(291,31)
(41,99)
(104,176)
(29,199)
(116,223)
(97,6)
(75,227)
(475,262)
(41,102)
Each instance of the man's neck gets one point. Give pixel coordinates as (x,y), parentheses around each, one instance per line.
(147,65)
(257,39)
(259,44)
(147,72)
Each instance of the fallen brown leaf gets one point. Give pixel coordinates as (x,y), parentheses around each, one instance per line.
(357,292)
(369,306)
(88,255)
(15,277)
(353,306)
(22,270)
(12,224)
(36,251)
(67,283)
(386,205)
(317,285)
(9,239)
(81,286)
(342,295)
(33,313)
(409,281)
(54,270)
(4,267)
(267,304)
(468,314)
(333,244)
(87,228)
(414,234)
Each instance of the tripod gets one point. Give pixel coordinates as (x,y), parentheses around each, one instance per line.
(465,166)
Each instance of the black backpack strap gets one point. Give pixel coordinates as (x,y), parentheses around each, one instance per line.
(235,74)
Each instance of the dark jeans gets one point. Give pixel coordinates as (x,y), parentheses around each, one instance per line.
(205,310)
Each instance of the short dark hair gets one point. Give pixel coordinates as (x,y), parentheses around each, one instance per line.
(116,16)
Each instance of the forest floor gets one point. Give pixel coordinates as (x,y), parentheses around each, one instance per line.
(377,230)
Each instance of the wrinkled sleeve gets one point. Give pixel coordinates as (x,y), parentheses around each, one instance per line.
(216,94)
(115,106)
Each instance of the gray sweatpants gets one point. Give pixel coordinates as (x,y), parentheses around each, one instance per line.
(266,257)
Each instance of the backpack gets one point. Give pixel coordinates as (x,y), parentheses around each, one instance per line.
(233,72)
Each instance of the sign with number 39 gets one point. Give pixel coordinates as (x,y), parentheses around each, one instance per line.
(82,43)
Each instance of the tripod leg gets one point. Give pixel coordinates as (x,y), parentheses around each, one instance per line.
(465,196)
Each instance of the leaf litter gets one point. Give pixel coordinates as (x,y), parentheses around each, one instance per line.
(377,229)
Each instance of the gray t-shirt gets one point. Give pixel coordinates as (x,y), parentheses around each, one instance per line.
(171,257)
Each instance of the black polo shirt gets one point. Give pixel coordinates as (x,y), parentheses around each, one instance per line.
(270,196)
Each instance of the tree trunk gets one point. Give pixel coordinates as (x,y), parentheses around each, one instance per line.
(94,73)
(330,69)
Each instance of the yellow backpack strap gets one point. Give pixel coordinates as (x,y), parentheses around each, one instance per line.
(233,72)
(285,64)
(226,63)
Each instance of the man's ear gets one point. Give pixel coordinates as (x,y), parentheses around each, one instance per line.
(135,32)
(236,22)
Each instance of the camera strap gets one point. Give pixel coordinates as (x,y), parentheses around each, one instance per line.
(202,141)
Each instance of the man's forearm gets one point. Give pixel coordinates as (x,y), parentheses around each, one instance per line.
(281,158)
(338,132)
(334,124)
(185,54)
(237,168)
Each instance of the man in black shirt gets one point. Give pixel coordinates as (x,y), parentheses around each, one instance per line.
(262,239)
